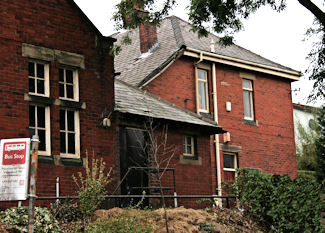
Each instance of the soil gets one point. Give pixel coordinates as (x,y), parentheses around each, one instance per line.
(180,220)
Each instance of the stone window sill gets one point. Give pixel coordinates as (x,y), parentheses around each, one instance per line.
(190,160)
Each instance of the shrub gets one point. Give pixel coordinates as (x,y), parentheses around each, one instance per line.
(92,187)
(132,220)
(277,202)
(307,174)
(66,211)
(17,218)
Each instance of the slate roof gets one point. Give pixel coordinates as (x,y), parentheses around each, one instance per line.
(173,35)
(132,100)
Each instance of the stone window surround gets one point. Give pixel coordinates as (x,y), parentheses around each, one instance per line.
(62,57)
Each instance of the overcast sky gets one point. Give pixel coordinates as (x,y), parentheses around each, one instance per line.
(276,36)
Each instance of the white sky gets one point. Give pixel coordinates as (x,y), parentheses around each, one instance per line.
(275,36)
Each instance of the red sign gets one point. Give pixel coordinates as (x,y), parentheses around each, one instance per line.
(14,153)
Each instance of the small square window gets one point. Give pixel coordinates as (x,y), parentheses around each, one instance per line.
(188,146)
(68,84)
(38,78)
(229,161)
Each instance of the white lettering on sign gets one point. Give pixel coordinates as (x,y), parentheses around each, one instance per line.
(11,147)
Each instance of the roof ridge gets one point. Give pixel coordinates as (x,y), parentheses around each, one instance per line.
(177,31)
(146,93)
(173,17)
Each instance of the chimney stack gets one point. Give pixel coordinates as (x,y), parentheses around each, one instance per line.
(148,36)
(147,32)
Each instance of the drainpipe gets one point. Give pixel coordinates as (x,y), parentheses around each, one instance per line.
(197,83)
(216,136)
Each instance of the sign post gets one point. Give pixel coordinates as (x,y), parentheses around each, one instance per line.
(14,167)
(32,183)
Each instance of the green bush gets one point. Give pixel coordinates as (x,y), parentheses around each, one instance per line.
(17,218)
(92,187)
(307,174)
(128,221)
(278,203)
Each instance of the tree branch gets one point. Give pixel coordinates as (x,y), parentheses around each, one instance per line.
(315,10)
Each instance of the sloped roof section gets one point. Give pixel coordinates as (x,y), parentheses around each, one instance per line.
(173,35)
(132,100)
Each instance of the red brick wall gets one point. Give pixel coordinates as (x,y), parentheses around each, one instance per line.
(268,146)
(190,179)
(54,24)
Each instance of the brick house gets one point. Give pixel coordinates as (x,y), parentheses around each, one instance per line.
(248,95)
(56,81)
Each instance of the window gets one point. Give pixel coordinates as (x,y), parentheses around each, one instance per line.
(229,161)
(188,146)
(248,99)
(203,90)
(39,124)
(68,84)
(38,78)
(69,133)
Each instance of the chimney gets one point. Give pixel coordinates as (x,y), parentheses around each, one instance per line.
(148,36)
(147,32)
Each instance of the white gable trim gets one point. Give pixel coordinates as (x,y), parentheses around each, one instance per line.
(293,75)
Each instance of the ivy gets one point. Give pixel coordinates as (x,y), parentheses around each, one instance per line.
(278,203)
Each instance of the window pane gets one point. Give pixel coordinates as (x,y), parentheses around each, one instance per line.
(247,104)
(31,132)
(71,143)
(61,78)
(40,86)
(62,142)
(228,161)
(62,120)
(32,116)
(31,69)
(202,75)
(31,85)
(189,149)
(40,70)
(41,117)
(247,84)
(70,91)
(69,76)
(42,139)
(61,90)
(188,140)
(70,120)
(202,96)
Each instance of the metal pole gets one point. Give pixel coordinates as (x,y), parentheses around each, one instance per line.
(32,183)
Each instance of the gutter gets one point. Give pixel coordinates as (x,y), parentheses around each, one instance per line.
(293,75)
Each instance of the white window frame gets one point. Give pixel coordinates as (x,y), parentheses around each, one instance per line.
(192,154)
(250,91)
(77,134)
(206,90)
(75,83)
(47,151)
(46,77)
(235,162)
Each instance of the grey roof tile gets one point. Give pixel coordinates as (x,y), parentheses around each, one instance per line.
(173,33)
(132,100)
